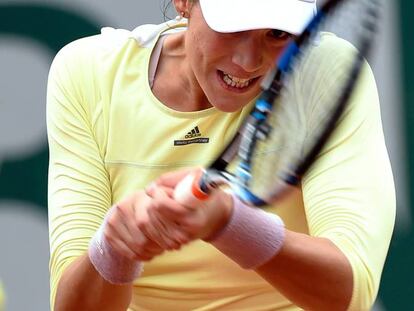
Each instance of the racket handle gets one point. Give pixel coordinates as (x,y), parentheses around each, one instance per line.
(188,191)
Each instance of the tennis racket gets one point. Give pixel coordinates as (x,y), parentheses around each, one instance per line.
(284,133)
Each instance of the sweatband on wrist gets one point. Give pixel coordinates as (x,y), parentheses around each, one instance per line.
(251,237)
(113,267)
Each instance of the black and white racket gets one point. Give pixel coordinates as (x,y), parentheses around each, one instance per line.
(284,134)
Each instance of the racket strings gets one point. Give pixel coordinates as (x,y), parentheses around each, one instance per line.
(310,96)
(294,122)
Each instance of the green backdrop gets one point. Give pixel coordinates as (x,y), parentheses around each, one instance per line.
(26,179)
(397,288)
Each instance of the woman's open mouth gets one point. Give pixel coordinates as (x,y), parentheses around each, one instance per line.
(235,84)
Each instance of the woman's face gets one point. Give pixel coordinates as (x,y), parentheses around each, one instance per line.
(229,67)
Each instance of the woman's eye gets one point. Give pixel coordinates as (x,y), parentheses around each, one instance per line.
(280,34)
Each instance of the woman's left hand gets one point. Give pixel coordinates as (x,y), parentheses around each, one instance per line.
(173,221)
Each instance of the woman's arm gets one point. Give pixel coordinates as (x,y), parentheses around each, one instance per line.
(81,287)
(80,194)
(102,279)
(311,272)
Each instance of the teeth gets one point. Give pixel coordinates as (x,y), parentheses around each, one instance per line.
(235,82)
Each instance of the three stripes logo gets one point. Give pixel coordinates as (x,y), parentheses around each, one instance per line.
(192,137)
(195,132)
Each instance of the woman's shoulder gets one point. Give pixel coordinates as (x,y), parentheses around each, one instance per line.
(111,42)
(147,34)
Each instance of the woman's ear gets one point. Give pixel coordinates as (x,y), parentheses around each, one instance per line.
(183,7)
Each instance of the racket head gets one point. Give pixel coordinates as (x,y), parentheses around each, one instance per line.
(296,115)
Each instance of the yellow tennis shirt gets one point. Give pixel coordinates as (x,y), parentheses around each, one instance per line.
(110,136)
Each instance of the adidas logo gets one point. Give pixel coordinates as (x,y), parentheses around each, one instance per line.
(194,133)
(192,137)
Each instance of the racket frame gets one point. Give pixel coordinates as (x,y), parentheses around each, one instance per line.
(255,128)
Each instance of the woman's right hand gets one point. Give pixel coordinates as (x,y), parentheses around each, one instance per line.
(123,232)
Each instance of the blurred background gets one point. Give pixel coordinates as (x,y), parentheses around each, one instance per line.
(31,32)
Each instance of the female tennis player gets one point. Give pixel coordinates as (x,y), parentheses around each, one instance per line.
(127,111)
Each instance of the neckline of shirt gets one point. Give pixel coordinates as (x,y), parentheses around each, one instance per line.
(160,105)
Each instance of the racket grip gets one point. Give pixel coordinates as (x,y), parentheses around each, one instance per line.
(188,191)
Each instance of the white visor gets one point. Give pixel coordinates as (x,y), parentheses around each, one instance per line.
(239,15)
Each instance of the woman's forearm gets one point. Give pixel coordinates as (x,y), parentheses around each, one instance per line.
(311,272)
(82,288)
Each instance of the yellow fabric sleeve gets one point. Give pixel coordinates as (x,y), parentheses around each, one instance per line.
(349,192)
(79,189)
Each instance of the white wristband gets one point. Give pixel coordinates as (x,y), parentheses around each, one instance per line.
(113,267)
(251,237)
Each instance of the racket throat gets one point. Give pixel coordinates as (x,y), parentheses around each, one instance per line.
(293,180)
(213,179)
